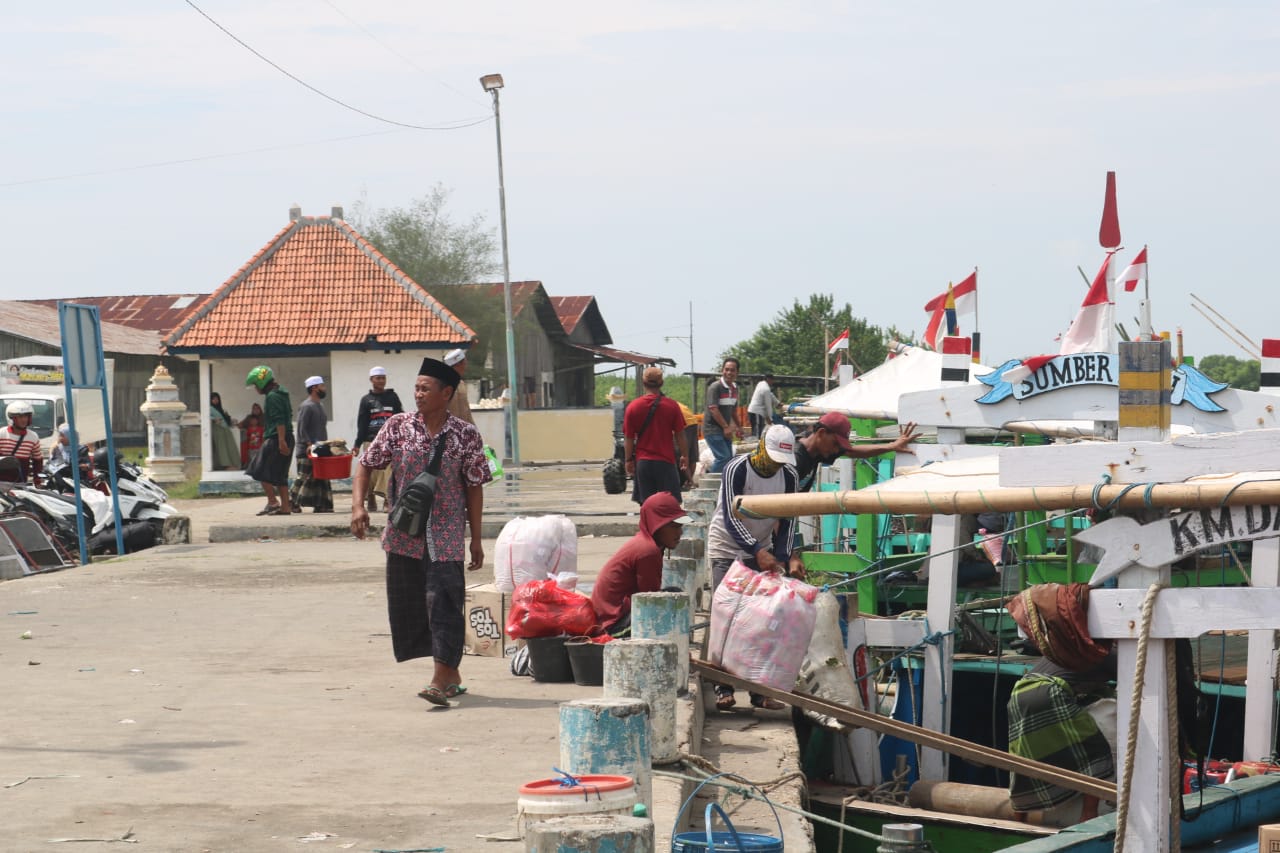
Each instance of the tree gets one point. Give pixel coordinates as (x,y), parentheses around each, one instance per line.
(439,253)
(1245,374)
(793,342)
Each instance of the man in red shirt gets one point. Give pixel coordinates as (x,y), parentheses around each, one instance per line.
(637,566)
(652,433)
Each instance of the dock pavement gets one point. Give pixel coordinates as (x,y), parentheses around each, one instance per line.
(239,693)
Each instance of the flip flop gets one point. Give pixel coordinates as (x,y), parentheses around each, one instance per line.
(453,690)
(269,509)
(766,703)
(726,702)
(434,695)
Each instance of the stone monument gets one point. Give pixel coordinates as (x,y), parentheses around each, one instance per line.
(163,411)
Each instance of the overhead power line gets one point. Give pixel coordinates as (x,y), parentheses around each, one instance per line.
(201,158)
(457,125)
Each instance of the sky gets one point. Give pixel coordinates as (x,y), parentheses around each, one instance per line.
(715,157)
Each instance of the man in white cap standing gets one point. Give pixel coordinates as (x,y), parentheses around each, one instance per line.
(764,544)
(313,426)
(460,406)
(375,407)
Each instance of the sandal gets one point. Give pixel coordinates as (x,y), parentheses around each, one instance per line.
(434,695)
(269,509)
(453,690)
(767,704)
(725,702)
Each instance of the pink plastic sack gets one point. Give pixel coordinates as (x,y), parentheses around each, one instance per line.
(761,625)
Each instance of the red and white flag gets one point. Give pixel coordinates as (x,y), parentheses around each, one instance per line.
(966,294)
(1091,330)
(835,367)
(841,342)
(1134,272)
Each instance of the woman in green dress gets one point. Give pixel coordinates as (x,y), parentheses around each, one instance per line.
(226,450)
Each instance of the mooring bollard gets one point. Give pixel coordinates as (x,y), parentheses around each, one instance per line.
(902,838)
(591,834)
(665,616)
(609,735)
(647,669)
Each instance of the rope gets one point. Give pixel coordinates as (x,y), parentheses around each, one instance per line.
(1135,706)
(748,794)
(1172,750)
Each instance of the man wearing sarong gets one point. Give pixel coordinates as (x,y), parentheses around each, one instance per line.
(312,428)
(425,587)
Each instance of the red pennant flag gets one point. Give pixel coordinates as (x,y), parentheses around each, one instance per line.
(1134,272)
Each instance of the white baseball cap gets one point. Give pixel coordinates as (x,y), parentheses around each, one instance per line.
(377,371)
(313,380)
(780,444)
(454,356)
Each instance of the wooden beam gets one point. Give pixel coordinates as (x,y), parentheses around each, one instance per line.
(982,755)
(956,502)
(1184,612)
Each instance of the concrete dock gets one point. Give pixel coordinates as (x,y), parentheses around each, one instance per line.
(239,693)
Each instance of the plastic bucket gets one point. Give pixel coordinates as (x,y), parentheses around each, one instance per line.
(747,842)
(330,467)
(548,659)
(567,796)
(587,661)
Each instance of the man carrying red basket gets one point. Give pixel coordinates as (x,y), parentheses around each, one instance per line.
(313,427)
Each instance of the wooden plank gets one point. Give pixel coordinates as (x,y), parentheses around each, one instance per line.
(981,755)
(907,814)
(1184,612)
(1140,461)
(944,564)
(1260,687)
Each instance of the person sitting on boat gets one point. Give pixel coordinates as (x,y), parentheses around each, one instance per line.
(762,544)
(829,440)
(637,565)
(1062,712)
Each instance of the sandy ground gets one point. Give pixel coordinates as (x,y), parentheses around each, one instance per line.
(244,697)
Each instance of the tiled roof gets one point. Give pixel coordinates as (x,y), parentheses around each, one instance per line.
(318,283)
(582,314)
(570,310)
(157,313)
(521,292)
(39,323)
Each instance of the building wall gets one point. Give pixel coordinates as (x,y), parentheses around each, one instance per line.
(554,435)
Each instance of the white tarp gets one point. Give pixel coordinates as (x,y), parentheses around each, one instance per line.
(875,393)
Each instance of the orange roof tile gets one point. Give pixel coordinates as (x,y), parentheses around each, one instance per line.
(318,283)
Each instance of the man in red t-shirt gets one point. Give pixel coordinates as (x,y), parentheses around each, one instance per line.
(653,438)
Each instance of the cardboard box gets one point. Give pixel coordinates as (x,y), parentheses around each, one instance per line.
(1269,838)
(485,615)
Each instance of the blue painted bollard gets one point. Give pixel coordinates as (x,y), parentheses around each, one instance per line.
(647,669)
(609,735)
(591,834)
(665,616)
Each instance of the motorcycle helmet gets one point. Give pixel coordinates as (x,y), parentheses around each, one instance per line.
(260,377)
(18,407)
(102,459)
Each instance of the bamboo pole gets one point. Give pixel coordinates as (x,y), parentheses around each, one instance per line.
(952,502)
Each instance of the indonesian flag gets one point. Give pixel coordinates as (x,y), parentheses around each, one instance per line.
(966,294)
(1135,271)
(841,342)
(835,368)
(1014,375)
(1091,329)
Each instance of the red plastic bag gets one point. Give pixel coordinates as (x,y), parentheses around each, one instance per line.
(543,609)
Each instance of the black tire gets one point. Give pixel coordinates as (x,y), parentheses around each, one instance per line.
(615,477)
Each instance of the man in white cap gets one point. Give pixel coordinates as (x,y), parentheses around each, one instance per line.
(374,409)
(762,544)
(460,406)
(313,426)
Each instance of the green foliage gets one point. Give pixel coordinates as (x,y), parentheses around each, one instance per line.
(425,242)
(1245,374)
(673,385)
(793,342)
(438,253)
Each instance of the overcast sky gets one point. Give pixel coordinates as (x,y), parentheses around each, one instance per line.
(728,153)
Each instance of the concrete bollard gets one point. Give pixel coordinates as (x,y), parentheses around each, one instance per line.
(609,735)
(647,669)
(665,616)
(590,834)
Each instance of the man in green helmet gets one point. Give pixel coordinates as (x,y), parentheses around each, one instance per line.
(270,466)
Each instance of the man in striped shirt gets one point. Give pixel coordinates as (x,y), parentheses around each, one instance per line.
(18,440)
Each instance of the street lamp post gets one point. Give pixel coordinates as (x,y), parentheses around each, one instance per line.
(492,83)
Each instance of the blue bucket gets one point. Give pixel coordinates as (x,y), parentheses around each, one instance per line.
(729,841)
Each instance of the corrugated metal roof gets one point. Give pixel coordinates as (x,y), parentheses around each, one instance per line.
(39,323)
